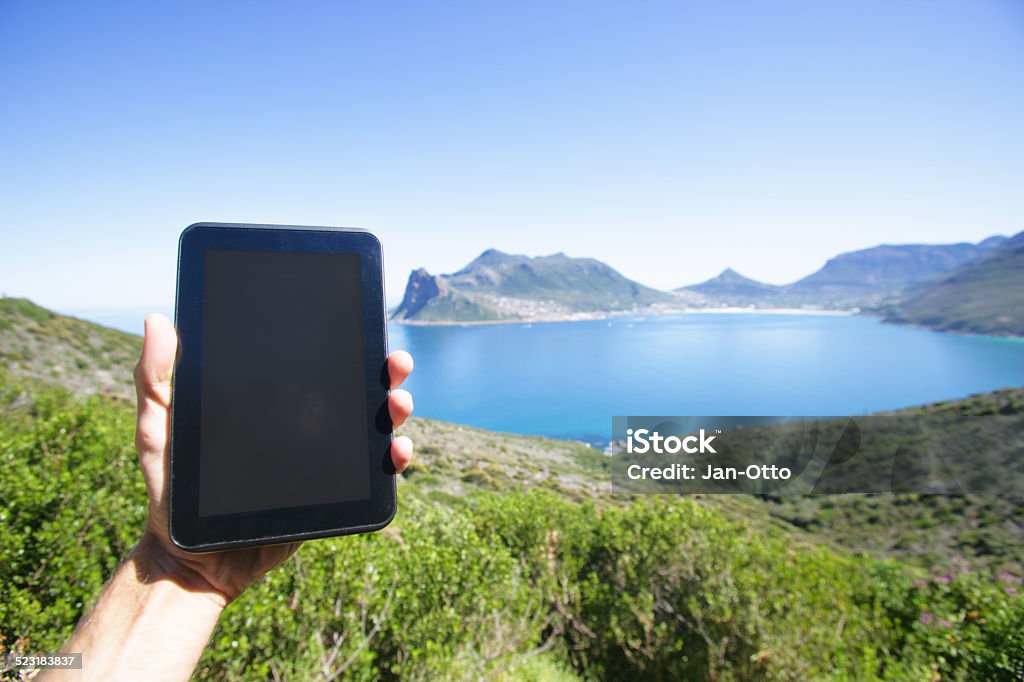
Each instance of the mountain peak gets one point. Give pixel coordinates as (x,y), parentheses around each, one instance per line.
(730,275)
(490,257)
(422,287)
(997,241)
(730,282)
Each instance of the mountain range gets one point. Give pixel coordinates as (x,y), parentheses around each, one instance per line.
(907,283)
(863,278)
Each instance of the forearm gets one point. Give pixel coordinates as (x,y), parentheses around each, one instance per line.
(147,625)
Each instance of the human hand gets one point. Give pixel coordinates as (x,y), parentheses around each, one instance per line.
(221,576)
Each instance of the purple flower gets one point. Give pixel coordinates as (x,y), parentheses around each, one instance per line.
(944,623)
(942,578)
(920,582)
(926,617)
(1010,591)
(1007,577)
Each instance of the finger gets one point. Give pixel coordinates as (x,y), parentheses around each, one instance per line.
(399,367)
(156,363)
(399,406)
(401,453)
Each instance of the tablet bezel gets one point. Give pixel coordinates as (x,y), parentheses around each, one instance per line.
(196,533)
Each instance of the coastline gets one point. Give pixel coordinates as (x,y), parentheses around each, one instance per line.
(1017,338)
(834,312)
(659,312)
(638,312)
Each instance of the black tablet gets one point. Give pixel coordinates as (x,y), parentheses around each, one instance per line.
(279,422)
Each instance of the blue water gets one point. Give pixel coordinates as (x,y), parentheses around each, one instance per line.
(568,379)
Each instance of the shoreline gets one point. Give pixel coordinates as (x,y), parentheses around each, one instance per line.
(646,312)
(1018,338)
(640,312)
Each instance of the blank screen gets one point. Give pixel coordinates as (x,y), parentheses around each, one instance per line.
(284,421)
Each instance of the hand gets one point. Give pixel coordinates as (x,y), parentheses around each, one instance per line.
(221,576)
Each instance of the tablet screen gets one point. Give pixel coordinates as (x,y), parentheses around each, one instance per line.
(283,398)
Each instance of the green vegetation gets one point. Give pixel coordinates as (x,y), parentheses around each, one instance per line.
(526,584)
(987,531)
(86,357)
(915,449)
(986,297)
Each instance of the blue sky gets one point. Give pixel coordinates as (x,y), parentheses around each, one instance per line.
(669,139)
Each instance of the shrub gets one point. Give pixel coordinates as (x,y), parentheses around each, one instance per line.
(524,584)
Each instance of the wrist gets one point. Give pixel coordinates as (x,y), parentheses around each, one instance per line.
(152,621)
(155,565)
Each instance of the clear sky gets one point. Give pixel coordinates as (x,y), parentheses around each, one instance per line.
(669,139)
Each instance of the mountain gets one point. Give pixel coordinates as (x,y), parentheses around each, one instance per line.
(867,278)
(497,286)
(872,274)
(984,297)
(732,287)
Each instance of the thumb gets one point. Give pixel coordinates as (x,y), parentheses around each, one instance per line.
(156,364)
(153,388)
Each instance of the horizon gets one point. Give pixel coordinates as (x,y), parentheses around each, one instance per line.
(130,318)
(117,314)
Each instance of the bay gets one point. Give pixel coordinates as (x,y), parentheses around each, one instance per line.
(567,379)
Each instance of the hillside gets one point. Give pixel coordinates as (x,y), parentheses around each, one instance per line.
(497,286)
(85,357)
(882,271)
(986,531)
(984,297)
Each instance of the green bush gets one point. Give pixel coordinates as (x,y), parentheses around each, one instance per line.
(523,585)
(72,503)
